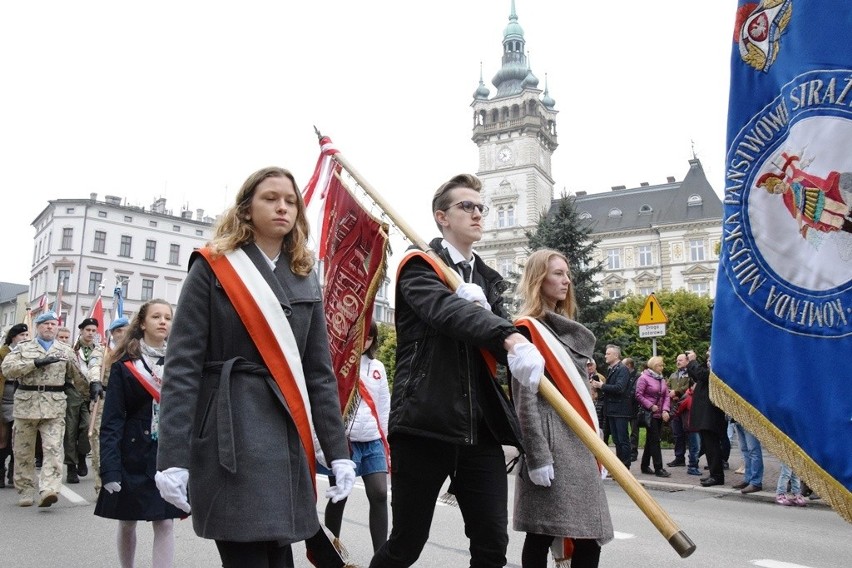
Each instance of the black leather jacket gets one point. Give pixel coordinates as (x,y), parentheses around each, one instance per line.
(442,389)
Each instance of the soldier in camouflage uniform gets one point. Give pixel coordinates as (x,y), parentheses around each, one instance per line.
(41,367)
(89,355)
(99,375)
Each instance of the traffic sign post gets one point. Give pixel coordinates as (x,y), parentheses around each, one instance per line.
(652,321)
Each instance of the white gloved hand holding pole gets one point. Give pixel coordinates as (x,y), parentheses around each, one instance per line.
(344,479)
(526,365)
(172,484)
(473,293)
(542,475)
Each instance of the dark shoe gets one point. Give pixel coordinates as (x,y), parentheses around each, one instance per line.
(82,468)
(662,473)
(47,498)
(72,475)
(711,481)
(38,464)
(647,470)
(676,463)
(705,478)
(742,485)
(751,489)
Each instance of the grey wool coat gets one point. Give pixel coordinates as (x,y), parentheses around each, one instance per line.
(223,418)
(575,504)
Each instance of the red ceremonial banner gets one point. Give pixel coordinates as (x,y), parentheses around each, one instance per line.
(353,250)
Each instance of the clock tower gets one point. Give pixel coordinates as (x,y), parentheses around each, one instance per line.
(515,131)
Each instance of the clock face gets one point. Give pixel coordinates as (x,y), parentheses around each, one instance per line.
(504,154)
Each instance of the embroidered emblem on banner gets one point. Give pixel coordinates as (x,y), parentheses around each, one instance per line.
(759,29)
(787,233)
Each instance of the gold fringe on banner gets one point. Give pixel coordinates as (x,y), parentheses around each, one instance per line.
(781,446)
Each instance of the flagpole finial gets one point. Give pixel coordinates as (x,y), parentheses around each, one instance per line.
(319,134)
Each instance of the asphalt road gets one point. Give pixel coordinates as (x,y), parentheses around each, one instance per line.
(729,529)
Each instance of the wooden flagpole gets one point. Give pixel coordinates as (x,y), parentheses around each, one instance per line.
(682,544)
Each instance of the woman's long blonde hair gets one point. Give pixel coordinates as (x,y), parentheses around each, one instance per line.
(535,272)
(233,230)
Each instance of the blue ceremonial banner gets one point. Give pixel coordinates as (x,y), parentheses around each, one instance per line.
(782,322)
(117,303)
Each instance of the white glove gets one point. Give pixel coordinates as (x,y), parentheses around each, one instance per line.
(526,365)
(172,484)
(112,487)
(542,475)
(473,293)
(344,479)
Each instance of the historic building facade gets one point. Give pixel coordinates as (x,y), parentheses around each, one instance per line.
(87,247)
(651,237)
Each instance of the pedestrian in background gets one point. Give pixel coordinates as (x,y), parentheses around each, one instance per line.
(16,334)
(367,434)
(41,366)
(652,394)
(128,438)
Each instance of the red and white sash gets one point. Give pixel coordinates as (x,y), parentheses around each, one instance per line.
(149,381)
(261,313)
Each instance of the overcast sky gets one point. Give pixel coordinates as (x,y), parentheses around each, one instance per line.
(183,99)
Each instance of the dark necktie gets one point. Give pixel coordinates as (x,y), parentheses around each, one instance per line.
(466,270)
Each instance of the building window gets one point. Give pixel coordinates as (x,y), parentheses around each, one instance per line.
(199,233)
(506,216)
(645,209)
(64,279)
(700,288)
(150,250)
(152,223)
(645,290)
(504,267)
(102,214)
(95,279)
(696,250)
(615,294)
(644,255)
(585,215)
(124,249)
(176,228)
(693,201)
(67,238)
(615,212)
(69,210)
(147,289)
(174,254)
(613,259)
(128,219)
(100,242)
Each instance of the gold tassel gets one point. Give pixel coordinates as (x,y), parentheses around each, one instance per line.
(781,446)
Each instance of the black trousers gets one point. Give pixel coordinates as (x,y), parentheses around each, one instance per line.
(419,468)
(652,449)
(711,443)
(586,554)
(254,554)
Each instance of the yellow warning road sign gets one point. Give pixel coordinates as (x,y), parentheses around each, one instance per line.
(652,313)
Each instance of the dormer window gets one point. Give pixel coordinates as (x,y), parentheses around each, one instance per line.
(645,209)
(694,200)
(615,212)
(585,215)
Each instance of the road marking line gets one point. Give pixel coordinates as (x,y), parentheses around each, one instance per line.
(768,563)
(71,496)
(622,536)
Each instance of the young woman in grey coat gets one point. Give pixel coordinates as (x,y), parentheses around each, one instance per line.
(231,444)
(558,491)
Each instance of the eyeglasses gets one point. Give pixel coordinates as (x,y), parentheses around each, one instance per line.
(469,206)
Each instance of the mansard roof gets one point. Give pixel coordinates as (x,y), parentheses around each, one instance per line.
(622,209)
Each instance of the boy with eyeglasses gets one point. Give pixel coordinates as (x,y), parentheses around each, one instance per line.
(449,416)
